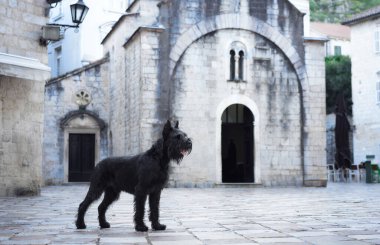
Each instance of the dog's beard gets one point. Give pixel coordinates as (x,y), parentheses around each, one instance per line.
(177,153)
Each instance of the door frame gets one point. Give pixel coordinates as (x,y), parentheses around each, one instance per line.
(69,131)
(84,124)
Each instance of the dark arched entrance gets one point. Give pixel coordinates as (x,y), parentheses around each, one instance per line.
(237,145)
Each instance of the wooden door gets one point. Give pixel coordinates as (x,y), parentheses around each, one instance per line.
(81,157)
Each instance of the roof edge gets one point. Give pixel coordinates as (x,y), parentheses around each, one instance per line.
(363,16)
(78,70)
(158,28)
(117,24)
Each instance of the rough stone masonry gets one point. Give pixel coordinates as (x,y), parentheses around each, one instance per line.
(227,70)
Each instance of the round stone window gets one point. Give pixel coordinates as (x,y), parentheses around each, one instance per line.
(82,98)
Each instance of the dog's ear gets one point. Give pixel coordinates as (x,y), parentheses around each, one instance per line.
(176,124)
(167,129)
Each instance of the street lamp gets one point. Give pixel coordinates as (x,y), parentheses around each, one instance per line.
(51,32)
(78,12)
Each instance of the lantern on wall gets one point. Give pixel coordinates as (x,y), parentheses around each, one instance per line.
(52,31)
(78,12)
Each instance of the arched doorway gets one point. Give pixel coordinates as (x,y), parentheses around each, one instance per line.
(237,145)
(83,131)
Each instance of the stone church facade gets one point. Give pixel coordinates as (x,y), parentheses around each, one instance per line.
(240,77)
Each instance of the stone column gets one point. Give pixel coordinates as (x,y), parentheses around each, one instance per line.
(315,115)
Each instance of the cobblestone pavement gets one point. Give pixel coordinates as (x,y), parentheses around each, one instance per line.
(339,214)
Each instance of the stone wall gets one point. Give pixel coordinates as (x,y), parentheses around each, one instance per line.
(21,126)
(22,75)
(127,81)
(132,94)
(201,84)
(365,75)
(182,72)
(60,103)
(152,93)
(281,15)
(314,99)
(20,28)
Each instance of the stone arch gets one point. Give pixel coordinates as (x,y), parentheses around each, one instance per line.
(248,23)
(82,122)
(251,105)
(237,21)
(81,113)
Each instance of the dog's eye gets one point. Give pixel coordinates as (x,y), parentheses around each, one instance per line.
(178,136)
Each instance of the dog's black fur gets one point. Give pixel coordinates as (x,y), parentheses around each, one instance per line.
(142,175)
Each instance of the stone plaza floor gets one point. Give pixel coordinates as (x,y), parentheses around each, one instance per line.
(342,213)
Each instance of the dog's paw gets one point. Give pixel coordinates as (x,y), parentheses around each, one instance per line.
(105,225)
(141,227)
(158,227)
(80,225)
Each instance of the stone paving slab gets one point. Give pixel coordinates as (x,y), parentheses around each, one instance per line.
(341,214)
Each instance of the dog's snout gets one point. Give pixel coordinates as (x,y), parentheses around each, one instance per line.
(189,142)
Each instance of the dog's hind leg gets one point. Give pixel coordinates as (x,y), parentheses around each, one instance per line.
(154,206)
(110,195)
(93,194)
(140,199)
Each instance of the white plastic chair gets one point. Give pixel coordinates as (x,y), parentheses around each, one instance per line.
(353,173)
(330,172)
(333,174)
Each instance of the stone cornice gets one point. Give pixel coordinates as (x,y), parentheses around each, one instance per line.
(23,67)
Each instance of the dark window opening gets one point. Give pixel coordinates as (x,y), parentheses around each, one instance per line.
(241,65)
(232,65)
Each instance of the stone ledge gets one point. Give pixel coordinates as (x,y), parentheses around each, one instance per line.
(23,67)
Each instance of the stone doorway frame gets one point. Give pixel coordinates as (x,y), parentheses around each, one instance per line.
(80,122)
(251,105)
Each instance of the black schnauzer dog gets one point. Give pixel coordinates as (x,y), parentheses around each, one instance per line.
(142,175)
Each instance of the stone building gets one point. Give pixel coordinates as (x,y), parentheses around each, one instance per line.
(76,109)
(337,35)
(365,32)
(22,76)
(86,39)
(239,75)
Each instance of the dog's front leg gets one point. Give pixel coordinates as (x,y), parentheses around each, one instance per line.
(140,199)
(154,206)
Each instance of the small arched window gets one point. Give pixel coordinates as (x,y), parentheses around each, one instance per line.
(237,62)
(241,64)
(232,65)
